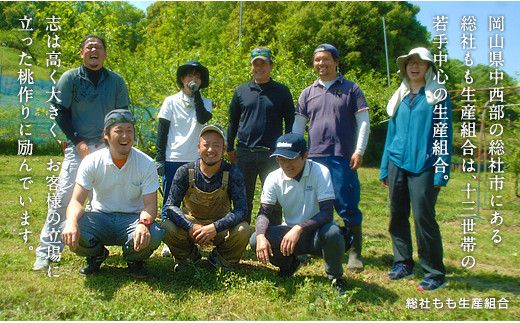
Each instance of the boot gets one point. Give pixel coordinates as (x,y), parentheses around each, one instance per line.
(355,261)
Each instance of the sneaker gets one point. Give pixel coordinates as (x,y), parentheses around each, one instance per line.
(429,284)
(136,268)
(166,251)
(400,270)
(288,272)
(94,263)
(218,263)
(41,264)
(339,285)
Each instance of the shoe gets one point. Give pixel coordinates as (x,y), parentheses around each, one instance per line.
(41,264)
(400,270)
(218,263)
(136,268)
(94,263)
(166,251)
(339,285)
(429,284)
(179,267)
(289,272)
(185,264)
(355,261)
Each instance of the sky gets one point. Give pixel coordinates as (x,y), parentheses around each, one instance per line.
(455,10)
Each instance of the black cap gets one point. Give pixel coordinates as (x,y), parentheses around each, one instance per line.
(118,116)
(290,146)
(204,73)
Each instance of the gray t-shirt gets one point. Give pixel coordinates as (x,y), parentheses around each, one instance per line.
(89,103)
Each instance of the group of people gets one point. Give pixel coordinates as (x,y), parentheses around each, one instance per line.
(209,202)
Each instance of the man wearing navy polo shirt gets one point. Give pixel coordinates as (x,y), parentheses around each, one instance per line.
(304,191)
(337,112)
(261,110)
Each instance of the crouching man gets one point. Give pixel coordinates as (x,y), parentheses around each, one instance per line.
(206,189)
(124,204)
(304,191)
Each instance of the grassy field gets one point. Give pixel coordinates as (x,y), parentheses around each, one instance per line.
(255,292)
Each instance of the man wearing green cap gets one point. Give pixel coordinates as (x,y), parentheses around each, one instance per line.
(124,206)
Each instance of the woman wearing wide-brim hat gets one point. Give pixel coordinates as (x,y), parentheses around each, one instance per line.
(415,164)
(181,118)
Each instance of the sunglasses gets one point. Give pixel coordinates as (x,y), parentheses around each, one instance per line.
(121,117)
(260,52)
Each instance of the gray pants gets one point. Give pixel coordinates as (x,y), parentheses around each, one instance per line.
(51,245)
(326,241)
(417,190)
(254,164)
(98,230)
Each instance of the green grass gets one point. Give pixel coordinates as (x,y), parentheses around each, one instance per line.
(254,292)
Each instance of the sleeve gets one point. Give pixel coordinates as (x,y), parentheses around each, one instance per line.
(202,108)
(237,192)
(85,176)
(442,178)
(262,220)
(288,113)
(363,131)
(175,196)
(269,195)
(66,92)
(122,97)
(359,100)
(163,127)
(234,119)
(150,181)
(301,106)
(390,134)
(64,121)
(166,110)
(325,215)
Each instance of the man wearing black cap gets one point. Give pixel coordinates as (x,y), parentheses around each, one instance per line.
(304,191)
(181,118)
(214,203)
(260,111)
(337,111)
(84,96)
(124,206)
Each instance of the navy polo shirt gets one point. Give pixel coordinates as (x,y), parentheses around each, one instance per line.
(331,113)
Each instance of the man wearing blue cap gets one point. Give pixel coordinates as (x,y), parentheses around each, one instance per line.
(260,111)
(304,191)
(124,206)
(181,119)
(337,111)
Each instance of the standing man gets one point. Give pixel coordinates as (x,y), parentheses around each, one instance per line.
(181,118)
(124,205)
(85,95)
(337,112)
(214,204)
(304,190)
(259,112)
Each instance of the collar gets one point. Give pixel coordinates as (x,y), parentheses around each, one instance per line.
(256,86)
(83,73)
(107,157)
(185,98)
(339,79)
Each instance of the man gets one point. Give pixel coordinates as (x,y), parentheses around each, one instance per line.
(304,190)
(337,111)
(85,95)
(207,188)
(181,118)
(258,113)
(124,205)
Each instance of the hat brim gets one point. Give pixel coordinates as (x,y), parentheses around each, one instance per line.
(264,58)
(401,62)
(204,74)
(285,153)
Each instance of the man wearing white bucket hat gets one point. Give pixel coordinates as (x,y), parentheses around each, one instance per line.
(415,164)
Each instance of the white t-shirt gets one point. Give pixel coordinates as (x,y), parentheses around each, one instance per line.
(183,135)
(118,190)
(299,199)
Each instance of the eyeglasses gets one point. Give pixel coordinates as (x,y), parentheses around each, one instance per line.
(260,52)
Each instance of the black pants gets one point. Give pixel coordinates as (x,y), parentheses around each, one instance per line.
(254,164)
(416,190)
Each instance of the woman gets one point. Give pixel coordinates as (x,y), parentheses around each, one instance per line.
(415,164)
